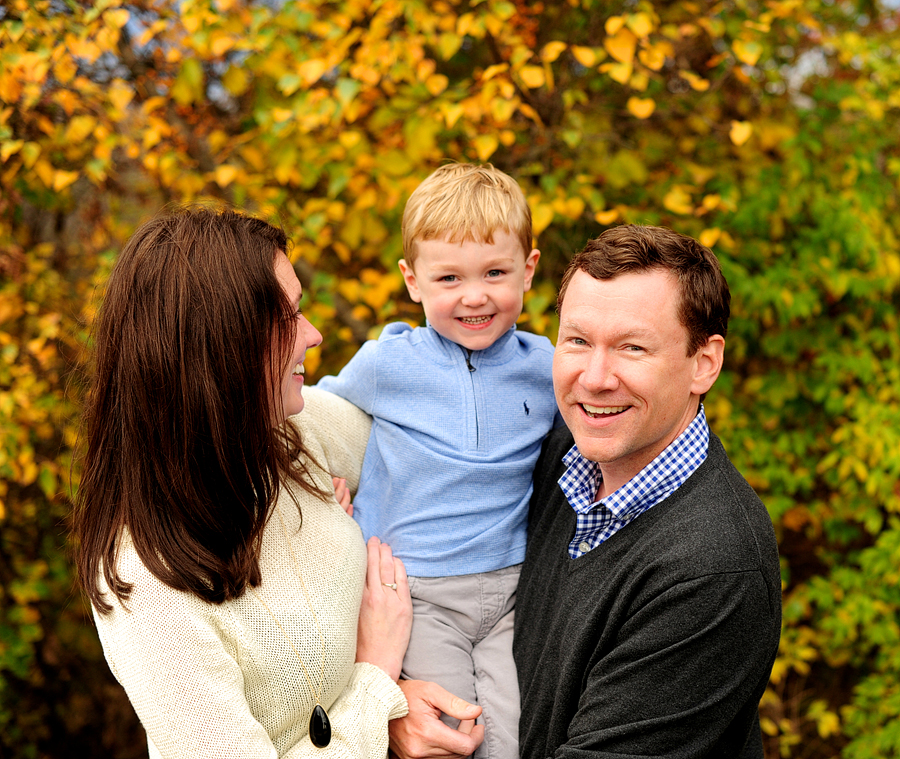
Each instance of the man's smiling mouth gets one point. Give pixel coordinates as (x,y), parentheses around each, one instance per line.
(595,411)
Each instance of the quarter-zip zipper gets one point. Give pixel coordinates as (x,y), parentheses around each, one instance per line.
(468,355)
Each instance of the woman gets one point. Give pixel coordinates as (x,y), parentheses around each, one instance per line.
(227,583)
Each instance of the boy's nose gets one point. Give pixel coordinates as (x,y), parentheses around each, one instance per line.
(474,296)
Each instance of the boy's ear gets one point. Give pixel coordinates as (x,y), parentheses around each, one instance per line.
(409,277)
(530,264)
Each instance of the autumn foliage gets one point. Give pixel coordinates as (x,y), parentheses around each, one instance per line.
(767,129)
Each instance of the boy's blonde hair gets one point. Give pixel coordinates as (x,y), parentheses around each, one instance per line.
(465,202)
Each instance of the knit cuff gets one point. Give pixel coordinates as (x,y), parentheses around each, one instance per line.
(379,685)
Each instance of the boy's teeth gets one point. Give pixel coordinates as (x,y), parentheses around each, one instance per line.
(475,319)
(298,369)
(600,410)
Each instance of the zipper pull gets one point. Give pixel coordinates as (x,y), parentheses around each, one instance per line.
(469,363)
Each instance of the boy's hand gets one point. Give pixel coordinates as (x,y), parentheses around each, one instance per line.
(342,494)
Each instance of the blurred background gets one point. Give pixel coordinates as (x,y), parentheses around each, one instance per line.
(767,129)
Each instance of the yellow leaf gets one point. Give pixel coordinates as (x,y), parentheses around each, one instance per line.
(621,46)
(120,94)
(452,112)
(678,201)
(747,52)
(436,84)
(552,51)
(613,24)
(116,18)
(640,23)
(584,55)
(711,202)
(697,82)
(710,237)
(740,132)
(311,71)
(606,217)
(533,76)
(491,71)
(79,128)
(8,148)
(448,44)
(485,146)
(221,45)
(281,114)
(641,107)
(31,151)
(62,179)
(620,72)
(225,175)
(65,69)
(541,217)
(653,57)
(236,80)
(45,171)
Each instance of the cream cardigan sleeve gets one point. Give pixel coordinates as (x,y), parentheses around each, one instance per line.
(221,681)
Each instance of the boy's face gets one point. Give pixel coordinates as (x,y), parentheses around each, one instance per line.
(471,292)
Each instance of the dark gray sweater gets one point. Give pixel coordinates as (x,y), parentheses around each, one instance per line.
(660,641)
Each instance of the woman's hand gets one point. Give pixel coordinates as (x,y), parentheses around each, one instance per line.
(385,616)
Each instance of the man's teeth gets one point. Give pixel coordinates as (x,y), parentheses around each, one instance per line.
(298,369)
(474,319)
(601,410)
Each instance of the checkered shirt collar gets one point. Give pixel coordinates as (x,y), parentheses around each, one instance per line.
(662,476)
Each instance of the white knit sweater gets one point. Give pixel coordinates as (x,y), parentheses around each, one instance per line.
(211,680)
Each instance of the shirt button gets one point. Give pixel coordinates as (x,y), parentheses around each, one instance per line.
(584,547)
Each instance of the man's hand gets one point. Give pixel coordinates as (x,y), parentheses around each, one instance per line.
(422,735)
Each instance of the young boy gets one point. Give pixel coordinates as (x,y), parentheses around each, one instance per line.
(460,408)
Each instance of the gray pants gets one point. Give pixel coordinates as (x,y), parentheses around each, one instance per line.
(462,639)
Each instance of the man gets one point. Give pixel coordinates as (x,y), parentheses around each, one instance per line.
(649,607)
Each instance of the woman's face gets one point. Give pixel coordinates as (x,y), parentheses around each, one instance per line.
(306,337)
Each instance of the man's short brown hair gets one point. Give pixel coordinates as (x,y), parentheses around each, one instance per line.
(705,299)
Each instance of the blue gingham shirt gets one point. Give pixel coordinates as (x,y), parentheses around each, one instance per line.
(597,521)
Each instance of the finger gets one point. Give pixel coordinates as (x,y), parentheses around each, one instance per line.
(402,580)
(387,564)
(373,564)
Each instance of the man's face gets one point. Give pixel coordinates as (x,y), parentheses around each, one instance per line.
(622,377)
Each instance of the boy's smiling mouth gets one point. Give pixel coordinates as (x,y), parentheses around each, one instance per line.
(475,320)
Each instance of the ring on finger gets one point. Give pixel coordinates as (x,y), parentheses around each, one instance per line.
(391,585)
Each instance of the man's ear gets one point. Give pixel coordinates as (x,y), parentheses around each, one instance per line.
(530,264)
(409,277)
(707,364)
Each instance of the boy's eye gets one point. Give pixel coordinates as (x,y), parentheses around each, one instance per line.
(495,273)
(448,278)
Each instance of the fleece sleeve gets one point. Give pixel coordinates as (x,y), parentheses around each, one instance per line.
(357,381)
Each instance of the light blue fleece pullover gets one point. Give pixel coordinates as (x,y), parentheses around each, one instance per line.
(447,473)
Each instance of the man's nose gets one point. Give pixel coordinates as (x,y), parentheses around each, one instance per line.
(599,374)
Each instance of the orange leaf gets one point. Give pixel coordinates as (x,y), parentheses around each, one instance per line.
(740,132)
(641,107)
(621,46)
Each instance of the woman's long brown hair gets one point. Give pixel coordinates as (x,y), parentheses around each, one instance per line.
(182,446)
